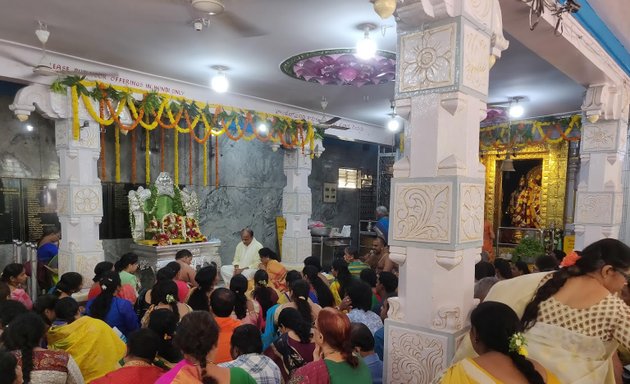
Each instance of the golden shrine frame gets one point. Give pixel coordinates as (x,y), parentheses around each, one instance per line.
(554,179)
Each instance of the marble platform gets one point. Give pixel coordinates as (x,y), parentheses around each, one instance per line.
(157,257)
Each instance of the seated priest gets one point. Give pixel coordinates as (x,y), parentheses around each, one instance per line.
(246,258)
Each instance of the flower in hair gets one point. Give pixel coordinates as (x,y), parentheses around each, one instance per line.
(170,299)
(570,259)
(518,344)
(302,297)
(262,283)
(103,287)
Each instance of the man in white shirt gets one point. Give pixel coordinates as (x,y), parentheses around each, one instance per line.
(246,258)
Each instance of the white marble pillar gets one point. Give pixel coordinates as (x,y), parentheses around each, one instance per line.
(445,50)
(599,200)
(79,192)
(296,208)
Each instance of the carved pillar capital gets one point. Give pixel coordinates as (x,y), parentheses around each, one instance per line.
(39,97)
(606,102)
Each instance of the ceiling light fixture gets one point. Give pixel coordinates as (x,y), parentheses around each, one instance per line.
(29,127)
(516,110)
(366,47)
(393,123)
(220,82)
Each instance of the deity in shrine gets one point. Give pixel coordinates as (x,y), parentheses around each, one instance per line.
(524,205)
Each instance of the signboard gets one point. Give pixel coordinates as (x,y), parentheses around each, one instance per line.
(569,244)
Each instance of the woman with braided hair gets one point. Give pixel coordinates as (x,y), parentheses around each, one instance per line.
(335,361)
(197,337)
(116,312)
(573,318)
(496,336)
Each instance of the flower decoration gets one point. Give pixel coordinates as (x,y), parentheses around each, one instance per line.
(518,344)
(170,299)
(263,283)
(570,259)
(341,67)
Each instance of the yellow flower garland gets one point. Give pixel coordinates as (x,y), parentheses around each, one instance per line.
(76,127)
(117,152)
(205,164)
(176,158)
(147,157)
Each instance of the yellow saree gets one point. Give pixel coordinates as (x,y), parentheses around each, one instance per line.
(468,372)
(92,343)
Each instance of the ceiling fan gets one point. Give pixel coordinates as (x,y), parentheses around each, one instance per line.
(216,9)
(44,68)
(328,123)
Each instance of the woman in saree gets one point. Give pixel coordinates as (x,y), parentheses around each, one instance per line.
(334,361)
(270,262)
(497,339)
(573,318)
(197,336)
(127,266)
(14,275)
(94,346)
(47,256)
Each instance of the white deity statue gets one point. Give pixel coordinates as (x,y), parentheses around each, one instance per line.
(164,185)
(136,210)
(190,202)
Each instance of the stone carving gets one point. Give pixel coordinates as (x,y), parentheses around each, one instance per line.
(422,212)
(40,96)
(414,357)
(448,259)
(398,254)
(471,212)
(62,200)
(428,59)
(395,311)
(413,13)
(481,10)
(594,208)
(475,73)
(136,209)
(86,200)
(164,185)
(448,318)
(498,42)
(190,202)
(600,137)
(90,136)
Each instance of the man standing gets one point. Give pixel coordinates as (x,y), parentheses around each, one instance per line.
(246,258)
(382,223)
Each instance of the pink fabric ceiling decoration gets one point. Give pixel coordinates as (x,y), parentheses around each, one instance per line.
(341,67)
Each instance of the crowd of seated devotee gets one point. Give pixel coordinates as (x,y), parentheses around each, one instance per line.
(275,325)
(266,324)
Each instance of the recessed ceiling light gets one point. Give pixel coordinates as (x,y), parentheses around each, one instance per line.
(29,128)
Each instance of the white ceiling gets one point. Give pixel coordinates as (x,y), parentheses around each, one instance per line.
(615,13)
(156,37)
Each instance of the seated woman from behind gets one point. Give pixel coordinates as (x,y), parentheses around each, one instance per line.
(496,336)
(246,310)
(300,301)
(92,343)
(39,365)
(116,312)
(199,297)
(197,336)
(69,284)
(164,323)
(164,296)
(138,367)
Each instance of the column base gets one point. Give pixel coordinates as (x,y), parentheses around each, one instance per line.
(416,355)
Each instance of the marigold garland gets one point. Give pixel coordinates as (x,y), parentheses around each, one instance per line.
(147,157)
(161,149)
(103,152)
(133,157)
(190,164)
(216,161)
(117,152)
(176,158)
(205,164)
(76,128)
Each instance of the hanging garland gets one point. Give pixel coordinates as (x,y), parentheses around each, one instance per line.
(133,157)
(527,132)
(117,152)
(205,164)
(147,157)
(176,158)
(234,122)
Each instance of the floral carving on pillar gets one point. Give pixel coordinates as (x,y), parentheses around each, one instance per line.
(475,71)
(594,208)
(471,212)
(422,212)
(414,356)
(600,137)
(427,59)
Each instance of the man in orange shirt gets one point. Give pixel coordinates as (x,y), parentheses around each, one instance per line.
(222,303)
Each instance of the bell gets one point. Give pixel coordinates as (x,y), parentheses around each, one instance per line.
(384,8)
(508,165)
